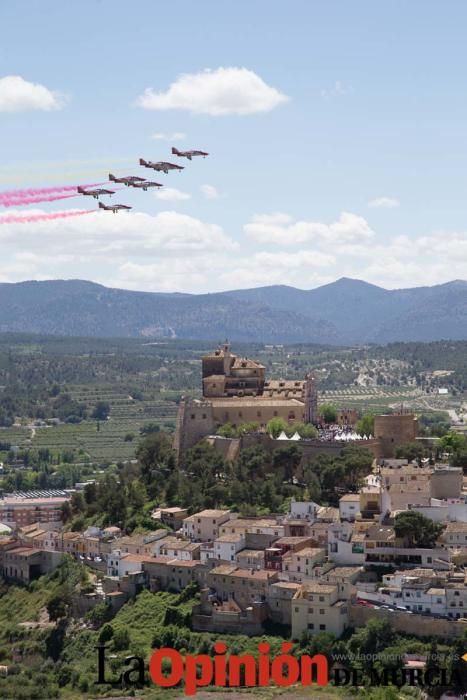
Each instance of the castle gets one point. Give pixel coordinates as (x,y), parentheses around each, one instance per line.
(235,391)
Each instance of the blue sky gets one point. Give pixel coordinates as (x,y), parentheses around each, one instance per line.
(349,157)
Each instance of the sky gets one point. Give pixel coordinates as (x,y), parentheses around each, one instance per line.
(336,134)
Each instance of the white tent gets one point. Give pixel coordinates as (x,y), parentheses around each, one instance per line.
(295,436)
(282,436)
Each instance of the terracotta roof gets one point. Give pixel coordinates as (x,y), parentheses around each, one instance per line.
(226,570)
(316,587)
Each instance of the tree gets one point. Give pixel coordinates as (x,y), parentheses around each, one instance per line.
(57,606)
(101,410)
(452,442)
(149,428)
(366,425)
(328,412)
(227,430)
(275,427)
(106,634)
(287,459)
(121,639)
(157,460)
(412,451)
(305,430)
(416,530)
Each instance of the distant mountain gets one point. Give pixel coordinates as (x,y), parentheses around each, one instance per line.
(345,312)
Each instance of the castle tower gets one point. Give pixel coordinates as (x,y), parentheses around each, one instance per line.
(310,396)
(194,422)
(227,358)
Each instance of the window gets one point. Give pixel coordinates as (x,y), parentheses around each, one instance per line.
(204,416)
(310,611)
(311,626)
(321,599)
(296,609)
(322,627)
(321,612)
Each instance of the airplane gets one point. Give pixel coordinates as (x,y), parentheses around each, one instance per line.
(113,207)
(144,185)
(188,154)
(94,193)
(161,167)
(128,180)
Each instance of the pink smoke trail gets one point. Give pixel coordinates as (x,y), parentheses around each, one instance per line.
(19,201)
(43,217)
(36,191)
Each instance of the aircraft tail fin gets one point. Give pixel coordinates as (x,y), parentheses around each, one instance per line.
(175,151)
(102,206)
(111,177)
(80,189)
(142,161)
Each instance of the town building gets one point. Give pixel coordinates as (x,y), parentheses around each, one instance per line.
(28,507)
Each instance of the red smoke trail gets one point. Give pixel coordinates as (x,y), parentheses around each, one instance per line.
(43,217)
(19,201)
(36,191)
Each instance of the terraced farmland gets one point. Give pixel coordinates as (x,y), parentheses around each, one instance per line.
(103,441)
(371,398)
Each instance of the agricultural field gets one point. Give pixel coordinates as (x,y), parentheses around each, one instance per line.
(114,439)
(63,379)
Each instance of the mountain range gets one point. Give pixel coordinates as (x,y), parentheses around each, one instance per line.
(345,312)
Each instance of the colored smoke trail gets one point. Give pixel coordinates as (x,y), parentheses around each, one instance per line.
(43,217)
(20,201)
(37,191)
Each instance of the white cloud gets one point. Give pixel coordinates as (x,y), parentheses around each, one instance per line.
(183,274)
(171,194)
(282,229)
(384,203)
(337,90)
(166,136)
(209,192)
(170,251)
(101,234)
(216,92)
(20,95)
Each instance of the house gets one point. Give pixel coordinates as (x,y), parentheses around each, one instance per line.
(205,525)
(349,506)
(173,517)
(227,546)
(139,544)
(279,598)
(318,607)
(250,559)
(299,565)
(245,586)
(260,526)
(26,564)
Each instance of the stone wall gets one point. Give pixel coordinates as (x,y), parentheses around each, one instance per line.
(418,625)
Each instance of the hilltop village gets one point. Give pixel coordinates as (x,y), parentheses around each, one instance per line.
(394,546)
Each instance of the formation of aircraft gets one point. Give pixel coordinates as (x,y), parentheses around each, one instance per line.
(114,207)
(161,166)
(94,193)
(141,183)
(188,154)
(144,185)
(127,180)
